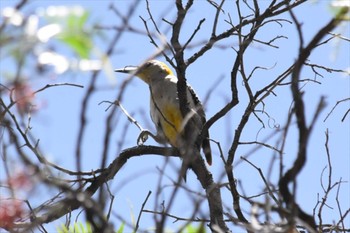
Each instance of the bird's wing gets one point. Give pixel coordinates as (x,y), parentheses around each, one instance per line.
(199,109)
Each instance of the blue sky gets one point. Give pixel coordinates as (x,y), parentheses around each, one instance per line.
(57,122)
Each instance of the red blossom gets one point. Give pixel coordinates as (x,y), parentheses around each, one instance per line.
(24,97)
(10,211)
(21,180)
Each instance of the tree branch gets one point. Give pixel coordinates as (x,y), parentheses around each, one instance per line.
(299,108)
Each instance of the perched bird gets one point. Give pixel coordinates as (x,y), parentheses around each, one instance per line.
(165,107)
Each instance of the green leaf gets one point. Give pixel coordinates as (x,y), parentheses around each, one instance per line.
(121,228)
(76,35)
(88,228)
(340,9)
(62,229)
(78,227)
(192,229)
(80,44)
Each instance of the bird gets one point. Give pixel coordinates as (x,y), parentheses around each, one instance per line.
(165,107)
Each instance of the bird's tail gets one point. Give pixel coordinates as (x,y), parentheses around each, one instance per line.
(207,150)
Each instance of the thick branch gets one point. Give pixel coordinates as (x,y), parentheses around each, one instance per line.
(66,205)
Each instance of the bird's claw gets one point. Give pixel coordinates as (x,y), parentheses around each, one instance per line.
(142,138)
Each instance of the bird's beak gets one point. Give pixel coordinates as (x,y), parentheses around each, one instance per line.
(128,69)
(133,71)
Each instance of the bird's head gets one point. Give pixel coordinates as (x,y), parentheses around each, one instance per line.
(148,71)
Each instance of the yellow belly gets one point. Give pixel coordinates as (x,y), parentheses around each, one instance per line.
(171,122)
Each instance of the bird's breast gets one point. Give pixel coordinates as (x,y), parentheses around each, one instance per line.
(165,112)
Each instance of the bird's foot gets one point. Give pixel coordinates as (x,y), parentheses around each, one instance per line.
(143,136)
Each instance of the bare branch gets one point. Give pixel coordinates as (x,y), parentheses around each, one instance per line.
(194,33)
(142,210)
(338,102)
(269,191)
(304,131)
(217,14)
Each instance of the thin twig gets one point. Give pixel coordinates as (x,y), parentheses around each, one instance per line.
(117,103)
(338,102)
(57,85)
(270,192)
(142,210)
